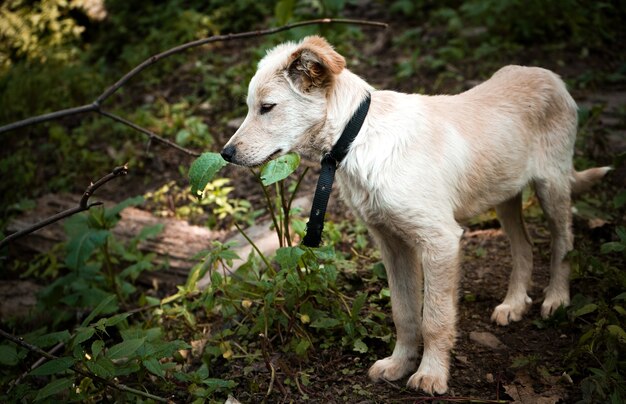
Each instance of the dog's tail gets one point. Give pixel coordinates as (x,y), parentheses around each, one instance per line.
(583,180)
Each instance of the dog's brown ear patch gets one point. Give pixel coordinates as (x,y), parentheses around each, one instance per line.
(314,64)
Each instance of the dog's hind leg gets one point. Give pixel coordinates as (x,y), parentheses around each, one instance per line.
(405,283)
(516,302)
(554,196)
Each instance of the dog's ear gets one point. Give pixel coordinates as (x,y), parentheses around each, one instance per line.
(314,64)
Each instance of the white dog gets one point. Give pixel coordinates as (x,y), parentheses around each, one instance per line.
(419,165)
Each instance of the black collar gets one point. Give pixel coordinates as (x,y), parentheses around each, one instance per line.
(330,161)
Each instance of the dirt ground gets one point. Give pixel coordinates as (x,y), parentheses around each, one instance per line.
(519,363)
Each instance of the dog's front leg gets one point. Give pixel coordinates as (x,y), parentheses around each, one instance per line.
(440,261)
(405,283)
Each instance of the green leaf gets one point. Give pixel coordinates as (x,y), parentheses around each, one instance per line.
(53,338)
(102,367)
(111,214)
(617,331)
(154,367)
(8,355)
(586,309)
(54,387)
(279,168)
(214,385)
(612,246)
(83,334)
(100,308)
(620,310)
(53,366)
(96,348)
(357,306)
(80,248)
(183,136)
(302,346)
(125,348)
(360,346)
(288,257)
(325,322)
(621,296)
(116,319)
(202,170)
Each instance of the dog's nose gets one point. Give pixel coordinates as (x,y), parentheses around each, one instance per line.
(228,153)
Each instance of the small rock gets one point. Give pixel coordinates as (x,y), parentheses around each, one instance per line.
(489,378)
(231,400)
(462,359)
(486,339)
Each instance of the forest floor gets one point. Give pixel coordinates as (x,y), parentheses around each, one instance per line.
(523,362)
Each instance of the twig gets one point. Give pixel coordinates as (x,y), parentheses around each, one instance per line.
(35,365)
(95,106)
(228,37)
(151,135)
(49,117)
(115,385)
(256,248)
(82,206)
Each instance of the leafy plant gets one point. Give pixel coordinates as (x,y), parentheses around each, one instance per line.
(598,357)
(97,263)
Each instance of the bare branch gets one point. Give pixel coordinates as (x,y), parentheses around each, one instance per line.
(75,368)
(221,38)
(82,206)
(95,106)
(49,117)
(151,135)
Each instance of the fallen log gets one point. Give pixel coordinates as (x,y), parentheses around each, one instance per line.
(175,246)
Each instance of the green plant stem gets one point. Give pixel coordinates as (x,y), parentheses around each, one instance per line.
(296,188)
(256,248)
(285,209)
(268,201)
(76,369)
(280,216)
(110,272)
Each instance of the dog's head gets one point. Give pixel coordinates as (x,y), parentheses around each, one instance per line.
(287,102)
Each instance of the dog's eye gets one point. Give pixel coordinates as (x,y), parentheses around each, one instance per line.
(265,108)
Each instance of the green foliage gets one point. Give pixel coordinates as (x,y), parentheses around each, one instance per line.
(98,264)
(599,314)
(301,304)
(215,207)
(526,21)
(37,30)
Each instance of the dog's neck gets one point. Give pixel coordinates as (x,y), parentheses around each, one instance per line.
(344,97)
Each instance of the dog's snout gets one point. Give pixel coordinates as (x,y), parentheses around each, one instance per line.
(228,153)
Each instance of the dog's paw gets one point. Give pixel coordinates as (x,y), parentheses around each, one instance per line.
(510,311)
(390,368)
(553,301)
(431,379)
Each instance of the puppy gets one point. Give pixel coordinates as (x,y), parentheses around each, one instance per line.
(419,165)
